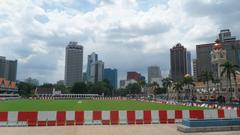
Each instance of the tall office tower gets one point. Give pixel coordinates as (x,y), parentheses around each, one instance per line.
(97,71)
(3,67)
(92,58)
(122,84)
(154,74)
(84,76)
(111,76)
(8,69)
(232,48)
(143,78)
(73,63)
(189,61)
(195,69)
(178,62)
(225,36)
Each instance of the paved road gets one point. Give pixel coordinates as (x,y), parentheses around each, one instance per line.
(104,130)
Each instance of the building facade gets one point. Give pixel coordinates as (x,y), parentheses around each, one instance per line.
(232,48)
(8,69)
(111,75)
(73,63)
(188,62)
(97,71)
(154,75)
(178,62)
(133,76)
(7,87)
(85,77)
(195,69)
(122,84)
(225,36)
(218,57)
(92,58)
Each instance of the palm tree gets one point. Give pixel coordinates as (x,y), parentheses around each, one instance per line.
(178,86)
(167,82)
(206,76)
(229,69)
(142,84)
(188,80)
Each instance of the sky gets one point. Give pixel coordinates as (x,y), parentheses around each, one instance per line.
(128,35)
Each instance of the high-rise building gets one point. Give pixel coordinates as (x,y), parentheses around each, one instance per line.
(142,78)
(92,58)
(154,74)
(73,63)
(232,48)
(189,61)
(178,62)
(8,69)
(97,71)
(195,69)
(225,36)
(111,76)
(85,77)
(133,76)
(122,83)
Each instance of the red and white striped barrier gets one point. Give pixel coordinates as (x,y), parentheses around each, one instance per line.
(61,118)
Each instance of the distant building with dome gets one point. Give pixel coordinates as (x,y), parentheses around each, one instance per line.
(225,41)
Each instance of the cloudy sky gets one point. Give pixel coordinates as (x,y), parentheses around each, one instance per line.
(127,34)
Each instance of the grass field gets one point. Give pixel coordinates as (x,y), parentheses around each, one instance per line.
(64,105)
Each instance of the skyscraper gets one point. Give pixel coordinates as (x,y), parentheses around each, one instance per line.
(178,62)
(232,48)
(189,61)
(92,58)
(111,76)
(154,74)
(85,77)
(97,71)
(8,69)
(195,69)
(73,63)
(225,36)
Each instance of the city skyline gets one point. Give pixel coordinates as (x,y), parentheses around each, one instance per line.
(128,32)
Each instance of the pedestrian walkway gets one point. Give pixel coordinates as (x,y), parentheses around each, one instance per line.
(153,129)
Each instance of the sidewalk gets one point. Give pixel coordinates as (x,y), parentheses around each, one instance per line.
(104,130)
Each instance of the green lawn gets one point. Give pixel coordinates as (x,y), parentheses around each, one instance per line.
(63,105)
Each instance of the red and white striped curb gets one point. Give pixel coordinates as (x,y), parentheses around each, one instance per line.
(61,118)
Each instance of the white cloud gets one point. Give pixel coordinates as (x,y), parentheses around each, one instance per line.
(124,36)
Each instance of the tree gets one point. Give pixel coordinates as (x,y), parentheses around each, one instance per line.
(188,80)
(142,84)
(121,92)
(32,81)
(159,90)
(47,85)
(100,87)
(133,88)
(178,86)
(25,89)
(109,88)
(79,88)
(206,76)
(63,88)
(229,69)
(167,82)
